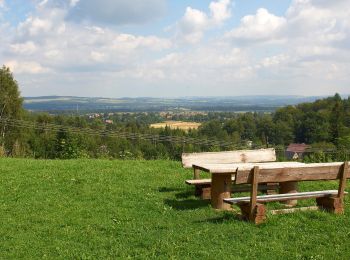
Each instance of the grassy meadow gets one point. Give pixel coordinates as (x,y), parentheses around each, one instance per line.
(101,209)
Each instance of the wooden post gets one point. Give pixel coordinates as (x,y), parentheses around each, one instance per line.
(203,191)
(331,204)
(196,172)
(342,179)
(220,190)
(254,191)
(289,187)
(259,213)
(335,204)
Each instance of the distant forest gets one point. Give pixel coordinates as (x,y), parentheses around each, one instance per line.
(325,124)
(71,104)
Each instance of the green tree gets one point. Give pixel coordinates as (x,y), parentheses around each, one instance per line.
(337,119)
(65,146)
(10,108)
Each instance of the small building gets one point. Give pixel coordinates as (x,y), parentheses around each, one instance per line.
(296,151)
(249,143)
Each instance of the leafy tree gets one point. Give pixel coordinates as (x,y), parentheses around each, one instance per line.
(249,126)
(336,119)
(314,128)
(10,107)
(283,133)
(65,146)
(265,128)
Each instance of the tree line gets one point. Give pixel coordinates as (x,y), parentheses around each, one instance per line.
(325,124)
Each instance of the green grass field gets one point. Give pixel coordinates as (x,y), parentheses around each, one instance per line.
(100,209)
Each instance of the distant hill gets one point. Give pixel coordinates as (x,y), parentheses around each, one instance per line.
(97,104)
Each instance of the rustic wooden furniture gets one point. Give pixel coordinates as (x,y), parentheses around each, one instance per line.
(253,208)
(203,186)
(222,175)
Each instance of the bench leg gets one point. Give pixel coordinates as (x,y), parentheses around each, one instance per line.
(271,188)
(331,204)
(220,190)
(203,191)
(259,213)
(289,187)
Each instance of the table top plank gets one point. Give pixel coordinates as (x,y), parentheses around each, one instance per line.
(233,167)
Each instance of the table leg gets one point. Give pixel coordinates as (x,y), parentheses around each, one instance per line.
(196,172)
(220,190)
(289,187)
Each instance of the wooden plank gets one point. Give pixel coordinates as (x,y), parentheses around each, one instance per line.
(342,180)
(235,188)
(203,181)
(284,211)
(233,167)
(254,191)
(283,197)
(298,173)
(198,182)
(261,155)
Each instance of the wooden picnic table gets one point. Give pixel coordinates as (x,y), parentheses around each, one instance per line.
(222,175)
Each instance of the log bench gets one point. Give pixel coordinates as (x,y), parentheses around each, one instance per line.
(253,208)
(203,186)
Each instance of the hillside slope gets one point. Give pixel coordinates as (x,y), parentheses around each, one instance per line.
(109,209)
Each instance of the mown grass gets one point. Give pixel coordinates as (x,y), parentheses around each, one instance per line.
(104,209)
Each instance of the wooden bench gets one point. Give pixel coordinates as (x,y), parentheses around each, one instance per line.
(203,186)
(253,208)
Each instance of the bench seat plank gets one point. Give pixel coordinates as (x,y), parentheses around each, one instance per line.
(284,197)
(202,181)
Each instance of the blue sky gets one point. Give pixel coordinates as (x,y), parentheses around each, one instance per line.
(163,48)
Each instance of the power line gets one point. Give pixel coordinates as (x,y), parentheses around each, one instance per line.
(116,134)
(138,136)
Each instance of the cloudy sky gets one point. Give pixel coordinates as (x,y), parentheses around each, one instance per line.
(168,48)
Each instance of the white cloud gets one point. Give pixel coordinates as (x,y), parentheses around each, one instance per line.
(43,3)
(191,27)
(194,23)
(276,60)
(131,42)
(73,3)
(220,11)
(36,25)
(2,9)
(265,53)
(58,45)
(97,56)
(316,32)
(310,39)
(210,62)
(26,48)
(26,67)
(261,26)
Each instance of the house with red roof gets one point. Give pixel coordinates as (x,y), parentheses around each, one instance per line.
(296,151)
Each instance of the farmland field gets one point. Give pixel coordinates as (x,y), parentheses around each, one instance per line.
(102,209)
(177,125)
